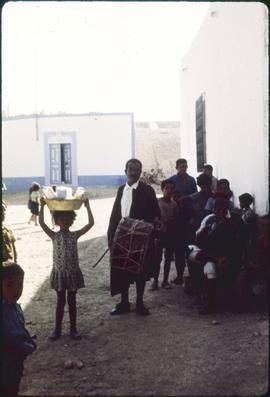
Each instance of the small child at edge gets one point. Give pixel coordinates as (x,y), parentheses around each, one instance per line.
(17,343)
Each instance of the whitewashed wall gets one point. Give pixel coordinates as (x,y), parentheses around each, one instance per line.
(228,62)
(103,143)
(22,154)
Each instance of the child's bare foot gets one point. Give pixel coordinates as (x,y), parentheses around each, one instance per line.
(75,335)
(54,335)
(166,285)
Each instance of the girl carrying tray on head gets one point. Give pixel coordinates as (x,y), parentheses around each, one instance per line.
(66,276)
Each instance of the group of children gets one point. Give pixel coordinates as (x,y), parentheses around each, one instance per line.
(215,240)
(203,231)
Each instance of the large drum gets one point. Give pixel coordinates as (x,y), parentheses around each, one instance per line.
(130,245)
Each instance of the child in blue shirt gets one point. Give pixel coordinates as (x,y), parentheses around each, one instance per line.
(17,343)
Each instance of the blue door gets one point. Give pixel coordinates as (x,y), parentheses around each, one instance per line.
(55,164)
(60,163)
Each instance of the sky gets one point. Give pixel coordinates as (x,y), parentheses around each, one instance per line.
(108,57)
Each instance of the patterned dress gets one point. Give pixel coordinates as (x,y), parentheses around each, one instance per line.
(66,273)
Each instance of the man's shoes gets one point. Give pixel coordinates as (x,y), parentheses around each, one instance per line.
(54,335)
(142,310)
(177,281)
(166,285)
(120,308)
(75,335)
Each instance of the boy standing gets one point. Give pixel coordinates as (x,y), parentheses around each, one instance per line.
(200,199)
(250,220)
(167,233)
(208,170)
(184,183)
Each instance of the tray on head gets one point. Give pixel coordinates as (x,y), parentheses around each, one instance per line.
(64,204)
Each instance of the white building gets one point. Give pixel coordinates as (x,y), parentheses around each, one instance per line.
(224,98)
(83,149)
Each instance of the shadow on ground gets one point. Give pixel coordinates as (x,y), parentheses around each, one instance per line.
(172,352)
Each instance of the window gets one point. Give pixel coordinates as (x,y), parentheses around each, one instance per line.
(200,132)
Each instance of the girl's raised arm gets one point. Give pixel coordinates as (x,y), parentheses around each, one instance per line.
(90,220)
(46,228)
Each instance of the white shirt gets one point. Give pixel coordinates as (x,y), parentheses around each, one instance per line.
(126,199)
(35,196)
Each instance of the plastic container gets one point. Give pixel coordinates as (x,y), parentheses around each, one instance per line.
(63,192)
(63,200)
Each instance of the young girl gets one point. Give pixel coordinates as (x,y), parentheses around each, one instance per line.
(66,274)
(33,204)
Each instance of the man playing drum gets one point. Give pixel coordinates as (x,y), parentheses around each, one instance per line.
(134,201)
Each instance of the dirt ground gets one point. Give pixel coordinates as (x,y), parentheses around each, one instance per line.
(173,352)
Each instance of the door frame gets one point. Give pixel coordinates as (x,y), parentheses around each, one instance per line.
(59,137)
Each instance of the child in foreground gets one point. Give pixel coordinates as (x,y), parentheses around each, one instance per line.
(17,343)
(66,276)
